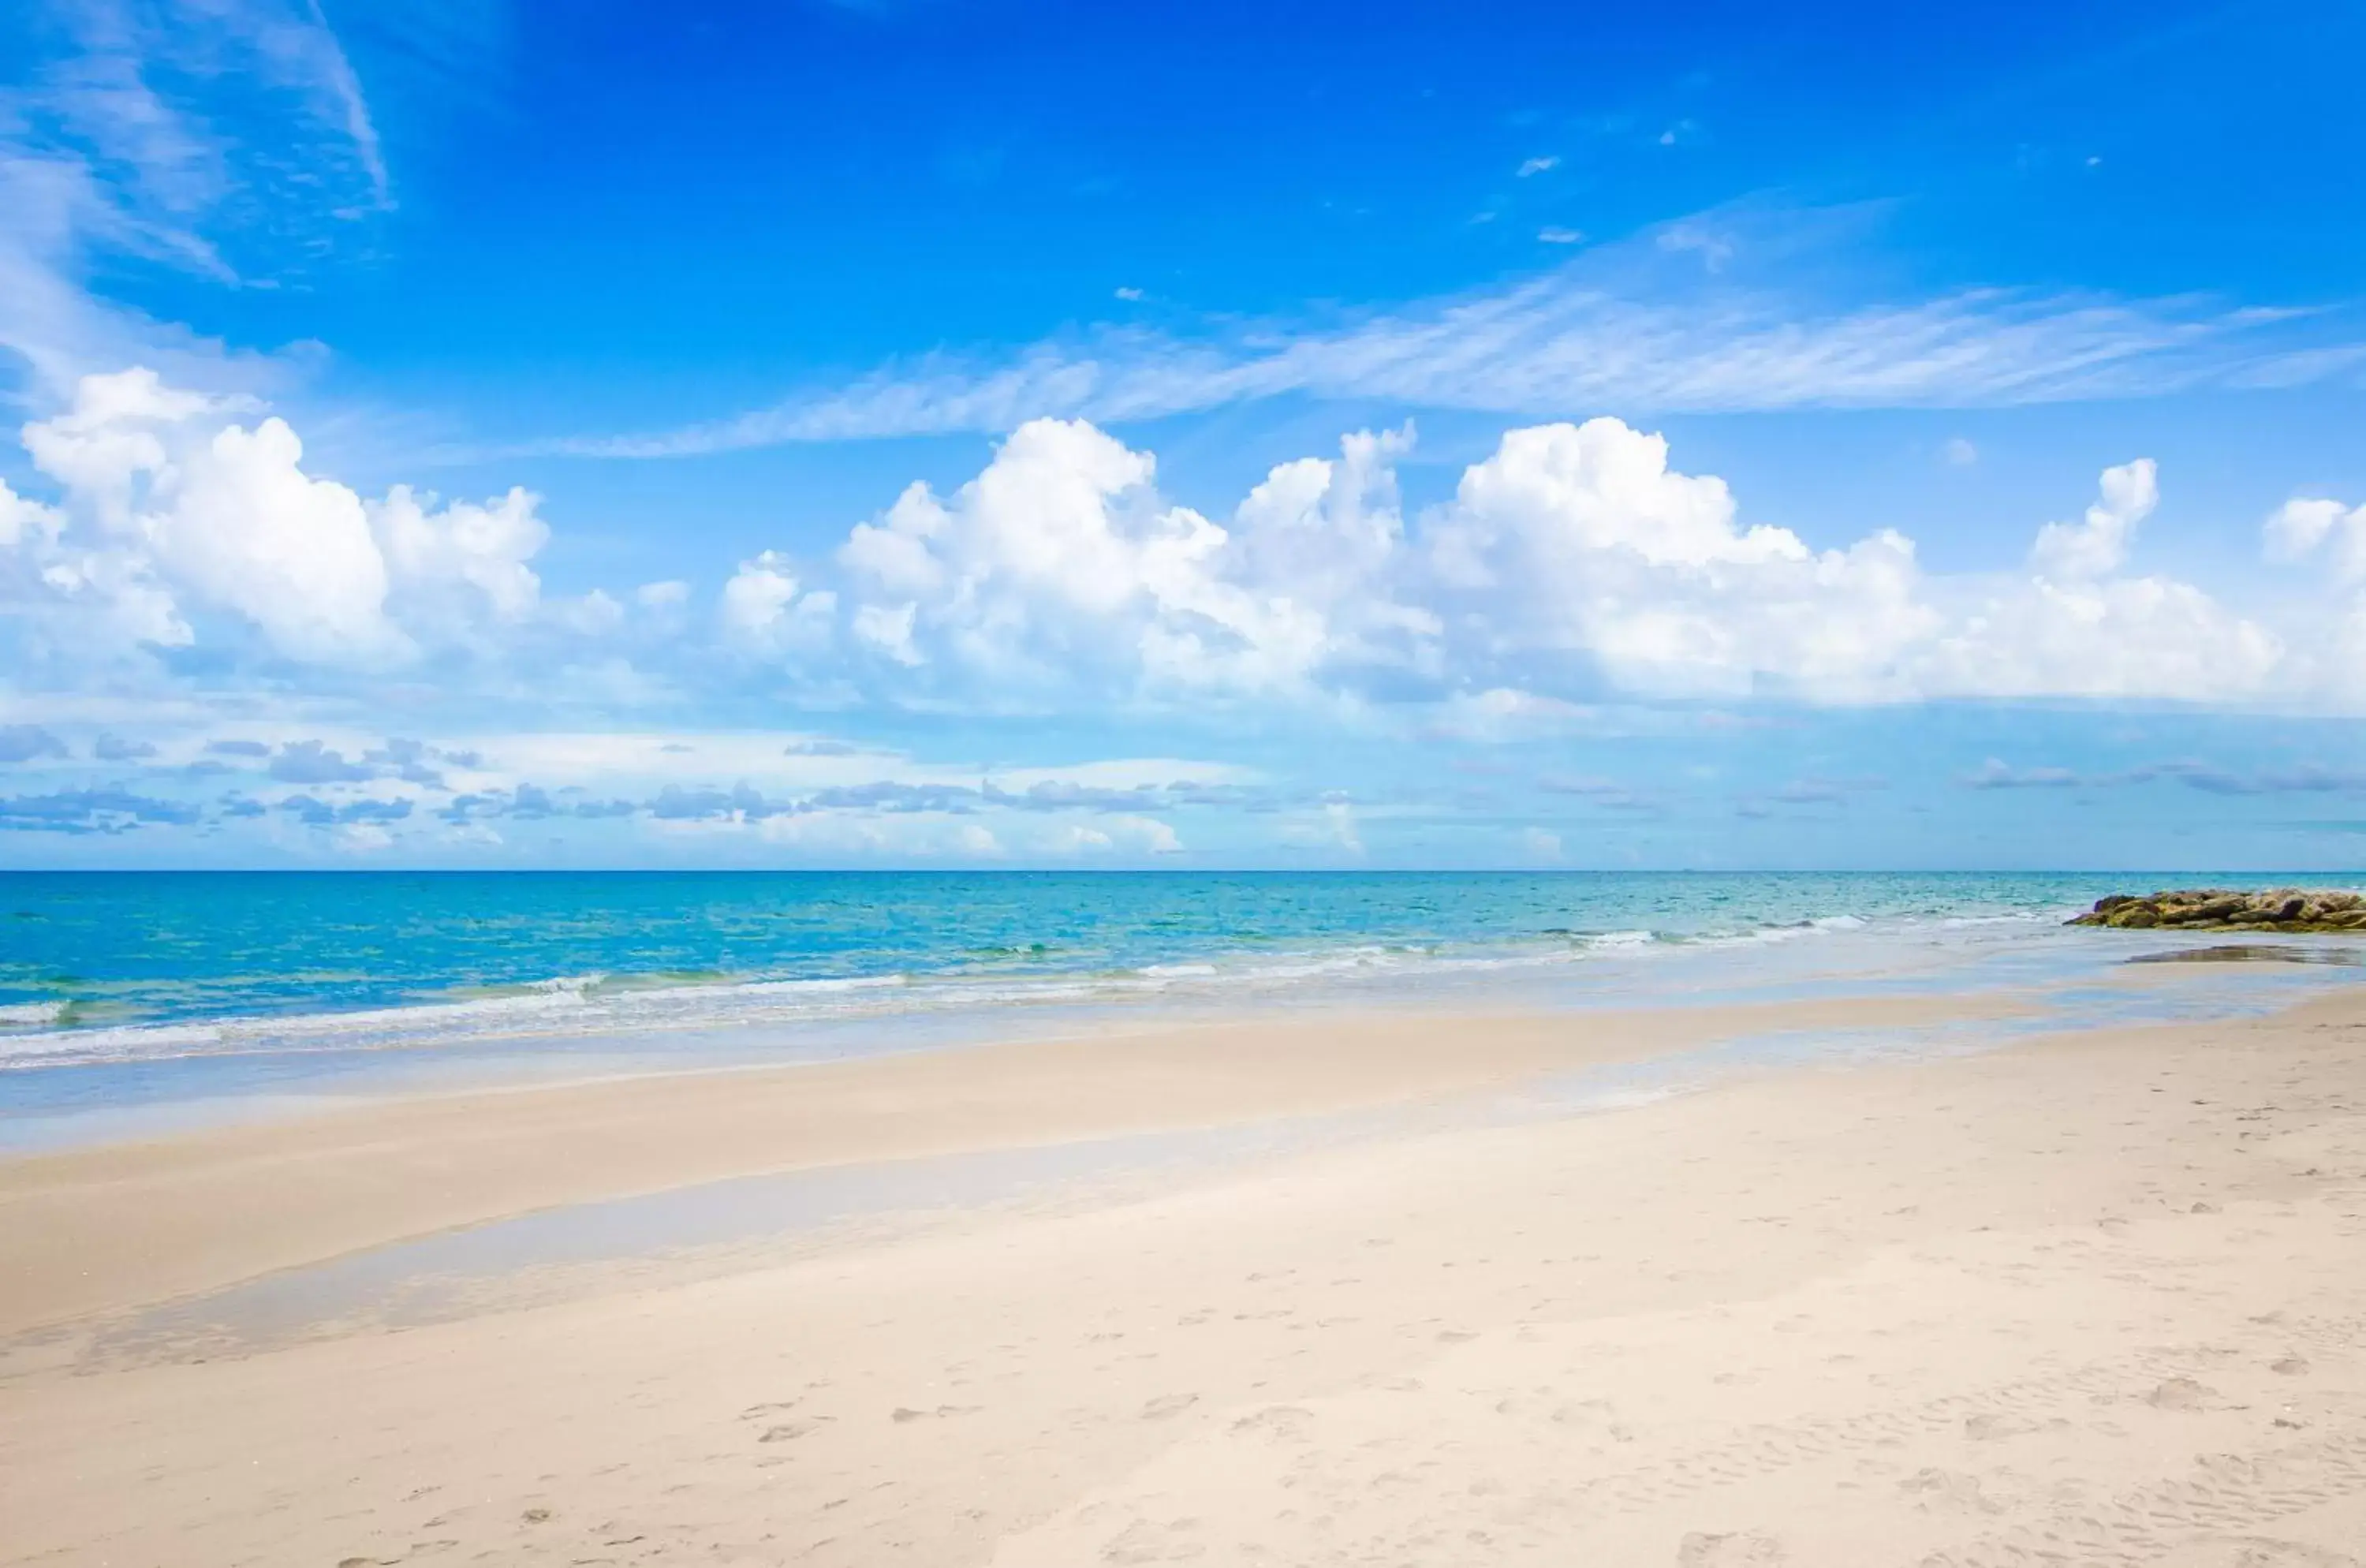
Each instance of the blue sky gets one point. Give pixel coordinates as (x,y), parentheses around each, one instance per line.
(936,433)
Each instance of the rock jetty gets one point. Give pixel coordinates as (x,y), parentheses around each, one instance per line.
(2231,909)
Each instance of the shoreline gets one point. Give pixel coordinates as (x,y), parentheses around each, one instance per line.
(60,1096)
(1520,935)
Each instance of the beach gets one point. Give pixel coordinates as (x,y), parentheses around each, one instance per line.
(1402,1287)
(855,784)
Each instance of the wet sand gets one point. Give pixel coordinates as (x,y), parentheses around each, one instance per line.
(95,1229)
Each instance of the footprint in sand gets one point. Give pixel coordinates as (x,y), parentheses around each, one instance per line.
(1744,1549)
(1146,1541)
(1948,1492)
(1575,1413)
(1167,1404)
(1287,1423)
(2178,1393)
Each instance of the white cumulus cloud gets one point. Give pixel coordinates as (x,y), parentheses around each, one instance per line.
(2302,526)
(173,506)
(766,611)
(1574,562)
(1578,545)
(1570,565)
(1060,565)
(2099,543)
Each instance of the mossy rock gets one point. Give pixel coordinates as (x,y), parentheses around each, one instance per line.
(2288,909)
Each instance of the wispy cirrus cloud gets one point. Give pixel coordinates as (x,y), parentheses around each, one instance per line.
(1705,315)
(171,135)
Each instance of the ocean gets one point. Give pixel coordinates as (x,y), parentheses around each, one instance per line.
(121,992)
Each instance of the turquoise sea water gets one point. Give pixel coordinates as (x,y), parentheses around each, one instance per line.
(87,961)
(127,991)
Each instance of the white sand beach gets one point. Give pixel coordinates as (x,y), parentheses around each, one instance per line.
(2088,1299)
(879,784)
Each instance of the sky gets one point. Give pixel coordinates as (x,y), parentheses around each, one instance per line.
(961,432)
